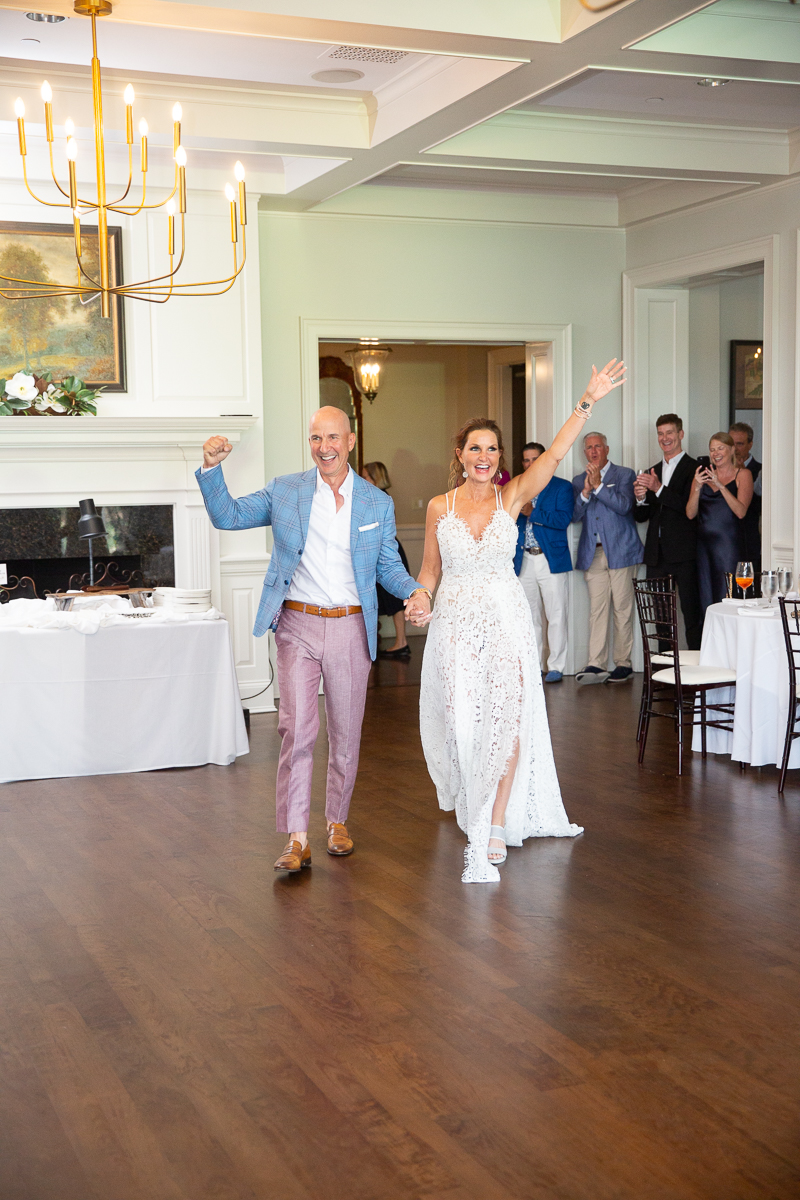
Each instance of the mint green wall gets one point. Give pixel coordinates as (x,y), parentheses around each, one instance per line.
(362,268)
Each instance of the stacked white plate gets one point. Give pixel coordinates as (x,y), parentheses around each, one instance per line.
(183,600)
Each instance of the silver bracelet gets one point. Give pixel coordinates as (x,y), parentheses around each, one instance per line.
(583,409)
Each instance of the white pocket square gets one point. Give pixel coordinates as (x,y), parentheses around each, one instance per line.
(364,528)
(609,485)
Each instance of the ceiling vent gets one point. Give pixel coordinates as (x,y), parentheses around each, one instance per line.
(367,54)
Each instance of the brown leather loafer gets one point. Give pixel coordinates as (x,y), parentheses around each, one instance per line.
(339,843)
(294,857)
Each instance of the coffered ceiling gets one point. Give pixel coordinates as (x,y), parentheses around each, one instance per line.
(459,107)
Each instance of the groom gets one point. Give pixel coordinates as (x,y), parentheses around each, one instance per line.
(334,537)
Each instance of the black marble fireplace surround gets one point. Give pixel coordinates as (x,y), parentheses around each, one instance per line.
(44,544)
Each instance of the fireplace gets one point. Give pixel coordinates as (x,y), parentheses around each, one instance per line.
(43,543)
(139,470)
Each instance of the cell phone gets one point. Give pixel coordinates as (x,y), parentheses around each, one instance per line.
(704,461)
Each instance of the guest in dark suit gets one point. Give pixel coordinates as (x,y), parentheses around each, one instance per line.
(670,548)
(742,435)
(543,563)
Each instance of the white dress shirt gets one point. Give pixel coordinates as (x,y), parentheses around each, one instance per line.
(324,574)
(667,471)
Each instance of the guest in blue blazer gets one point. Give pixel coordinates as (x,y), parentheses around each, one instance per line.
(543,563)
(609,552)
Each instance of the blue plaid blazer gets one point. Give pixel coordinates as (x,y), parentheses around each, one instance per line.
(285,504)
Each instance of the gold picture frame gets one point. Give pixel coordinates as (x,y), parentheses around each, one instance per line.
(60,334)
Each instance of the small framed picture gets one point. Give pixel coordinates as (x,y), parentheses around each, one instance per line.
(747,376)
(64,334)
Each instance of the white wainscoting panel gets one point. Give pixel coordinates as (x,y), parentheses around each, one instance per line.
(241,581)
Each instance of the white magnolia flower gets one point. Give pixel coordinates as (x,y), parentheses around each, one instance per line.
(21,387)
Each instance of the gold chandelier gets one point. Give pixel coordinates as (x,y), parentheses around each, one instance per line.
(160,288)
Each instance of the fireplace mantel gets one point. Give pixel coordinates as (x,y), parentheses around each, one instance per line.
(71,433)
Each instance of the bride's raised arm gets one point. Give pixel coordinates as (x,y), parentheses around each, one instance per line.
(522,489)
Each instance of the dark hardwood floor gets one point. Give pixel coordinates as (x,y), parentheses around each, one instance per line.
(616,1020)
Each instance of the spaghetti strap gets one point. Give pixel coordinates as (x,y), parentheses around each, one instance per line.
(497,502)
(447,498)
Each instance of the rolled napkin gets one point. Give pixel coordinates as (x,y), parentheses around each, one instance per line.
(757,612)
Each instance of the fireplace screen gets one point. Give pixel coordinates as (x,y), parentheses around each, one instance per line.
(43,543)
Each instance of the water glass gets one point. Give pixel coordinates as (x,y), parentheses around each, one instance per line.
(769,585)
(785,581)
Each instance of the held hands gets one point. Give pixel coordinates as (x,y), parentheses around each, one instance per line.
(418,609)
(215,450)
(602,382)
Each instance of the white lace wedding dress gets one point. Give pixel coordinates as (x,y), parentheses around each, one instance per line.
(481,689)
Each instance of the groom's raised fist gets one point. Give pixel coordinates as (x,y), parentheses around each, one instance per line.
(215,449)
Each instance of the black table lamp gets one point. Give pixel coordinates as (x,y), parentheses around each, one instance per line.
(90,526)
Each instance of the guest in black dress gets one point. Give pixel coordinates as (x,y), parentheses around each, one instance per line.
(720,497)
(388,605)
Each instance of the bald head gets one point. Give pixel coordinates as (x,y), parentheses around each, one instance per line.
(329,417)
(331,441)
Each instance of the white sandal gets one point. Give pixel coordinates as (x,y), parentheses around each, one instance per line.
(498,832)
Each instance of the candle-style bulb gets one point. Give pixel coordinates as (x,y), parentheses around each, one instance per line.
(19,108)
(177,112)
(72,149)
(47,92)
(230,195)
(130,96)
(143,127)
(180,156)
(170,207)
(238,171)
(69,127)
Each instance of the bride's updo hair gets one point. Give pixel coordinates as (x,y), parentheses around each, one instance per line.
(474,425)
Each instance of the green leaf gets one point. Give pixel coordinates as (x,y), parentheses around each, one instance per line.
(12,402)
(91,408)
(2,387)
(5,409)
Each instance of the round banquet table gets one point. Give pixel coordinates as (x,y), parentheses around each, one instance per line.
(753,646)
(133,697)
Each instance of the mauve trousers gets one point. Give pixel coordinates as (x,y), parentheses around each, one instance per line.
(336,649)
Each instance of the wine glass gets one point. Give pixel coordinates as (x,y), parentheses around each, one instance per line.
(769,586)
(744,576)
(785,580)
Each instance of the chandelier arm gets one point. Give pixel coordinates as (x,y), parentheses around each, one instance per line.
(53,172)
(124,289)
(47,203)
(134,212)
(20,293)
(229,282)
(38,283)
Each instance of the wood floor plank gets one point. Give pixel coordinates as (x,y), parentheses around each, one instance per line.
(616,1020)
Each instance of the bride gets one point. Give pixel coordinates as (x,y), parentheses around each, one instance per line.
(482,713)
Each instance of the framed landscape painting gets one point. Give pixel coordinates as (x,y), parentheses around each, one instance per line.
(60,334)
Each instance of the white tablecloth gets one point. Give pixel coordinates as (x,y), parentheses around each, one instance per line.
(754,647)
(135,696)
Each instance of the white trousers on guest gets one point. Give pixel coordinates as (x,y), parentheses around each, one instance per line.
(551,593)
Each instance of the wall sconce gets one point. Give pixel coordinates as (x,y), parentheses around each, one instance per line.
(367,362)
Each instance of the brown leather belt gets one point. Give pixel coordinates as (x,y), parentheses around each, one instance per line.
(314,610)
(534,550)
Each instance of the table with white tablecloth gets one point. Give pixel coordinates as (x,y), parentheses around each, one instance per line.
(752,643)
(136,695)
